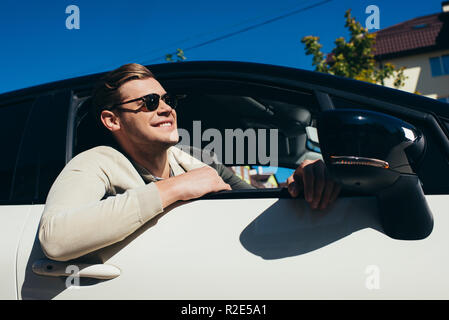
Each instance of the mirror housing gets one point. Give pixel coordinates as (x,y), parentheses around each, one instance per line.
(374,153)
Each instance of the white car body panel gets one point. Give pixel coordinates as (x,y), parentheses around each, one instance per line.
(13,222)
(214,249)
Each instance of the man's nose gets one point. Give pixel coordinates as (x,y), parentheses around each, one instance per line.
(163,107)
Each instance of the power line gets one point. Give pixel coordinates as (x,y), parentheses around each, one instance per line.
(202,34)
(231,34)
(141,57)
(271,20)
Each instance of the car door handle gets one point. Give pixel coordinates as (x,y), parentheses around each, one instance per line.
(51,268)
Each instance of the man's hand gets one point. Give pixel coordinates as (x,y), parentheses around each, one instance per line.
(190,185)
(196,183)
(312,178)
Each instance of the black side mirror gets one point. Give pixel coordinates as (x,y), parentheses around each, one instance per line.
(378,154)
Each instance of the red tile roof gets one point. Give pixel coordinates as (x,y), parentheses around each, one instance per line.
(410,37)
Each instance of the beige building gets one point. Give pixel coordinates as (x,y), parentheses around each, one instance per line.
(421,45)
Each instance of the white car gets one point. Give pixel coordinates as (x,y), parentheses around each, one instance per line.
(386,236)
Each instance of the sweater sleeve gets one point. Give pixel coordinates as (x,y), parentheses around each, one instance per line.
(192,156)
(79,217)
(230,178)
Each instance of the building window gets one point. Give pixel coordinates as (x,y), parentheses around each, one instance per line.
(445,62)
(439,65)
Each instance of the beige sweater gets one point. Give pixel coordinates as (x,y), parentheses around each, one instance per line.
(100,198)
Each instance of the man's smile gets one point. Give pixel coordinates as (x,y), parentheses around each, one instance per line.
(163,124)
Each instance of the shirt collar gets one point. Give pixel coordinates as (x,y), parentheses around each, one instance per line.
(175,169)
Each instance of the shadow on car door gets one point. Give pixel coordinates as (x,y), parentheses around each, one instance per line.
(209,240)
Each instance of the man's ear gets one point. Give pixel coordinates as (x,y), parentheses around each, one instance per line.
(110,120)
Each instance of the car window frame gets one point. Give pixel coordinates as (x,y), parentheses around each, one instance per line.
(6,104)
(39,119)
(323,95)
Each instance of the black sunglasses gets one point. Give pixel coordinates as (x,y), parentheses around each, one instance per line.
(150,102)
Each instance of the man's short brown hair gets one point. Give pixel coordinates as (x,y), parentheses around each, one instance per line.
(106,91)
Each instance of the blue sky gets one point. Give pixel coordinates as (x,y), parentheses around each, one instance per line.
(38,48)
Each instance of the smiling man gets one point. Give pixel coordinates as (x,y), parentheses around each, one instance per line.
(106,193)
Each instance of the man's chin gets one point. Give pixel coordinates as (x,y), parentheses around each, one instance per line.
(171,141)
(174,136)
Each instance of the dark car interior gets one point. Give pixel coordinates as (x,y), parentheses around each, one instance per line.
(222,111)
(56,125)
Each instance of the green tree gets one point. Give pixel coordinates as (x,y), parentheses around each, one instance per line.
(179,56)
(355,58)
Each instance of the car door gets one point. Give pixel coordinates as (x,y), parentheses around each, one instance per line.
(262,244)
(13,212)
(33,137)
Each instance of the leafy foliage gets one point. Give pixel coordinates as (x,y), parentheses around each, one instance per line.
(179,56)
(354,58)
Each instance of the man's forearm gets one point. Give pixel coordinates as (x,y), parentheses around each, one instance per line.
(169,191)
(190,185)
